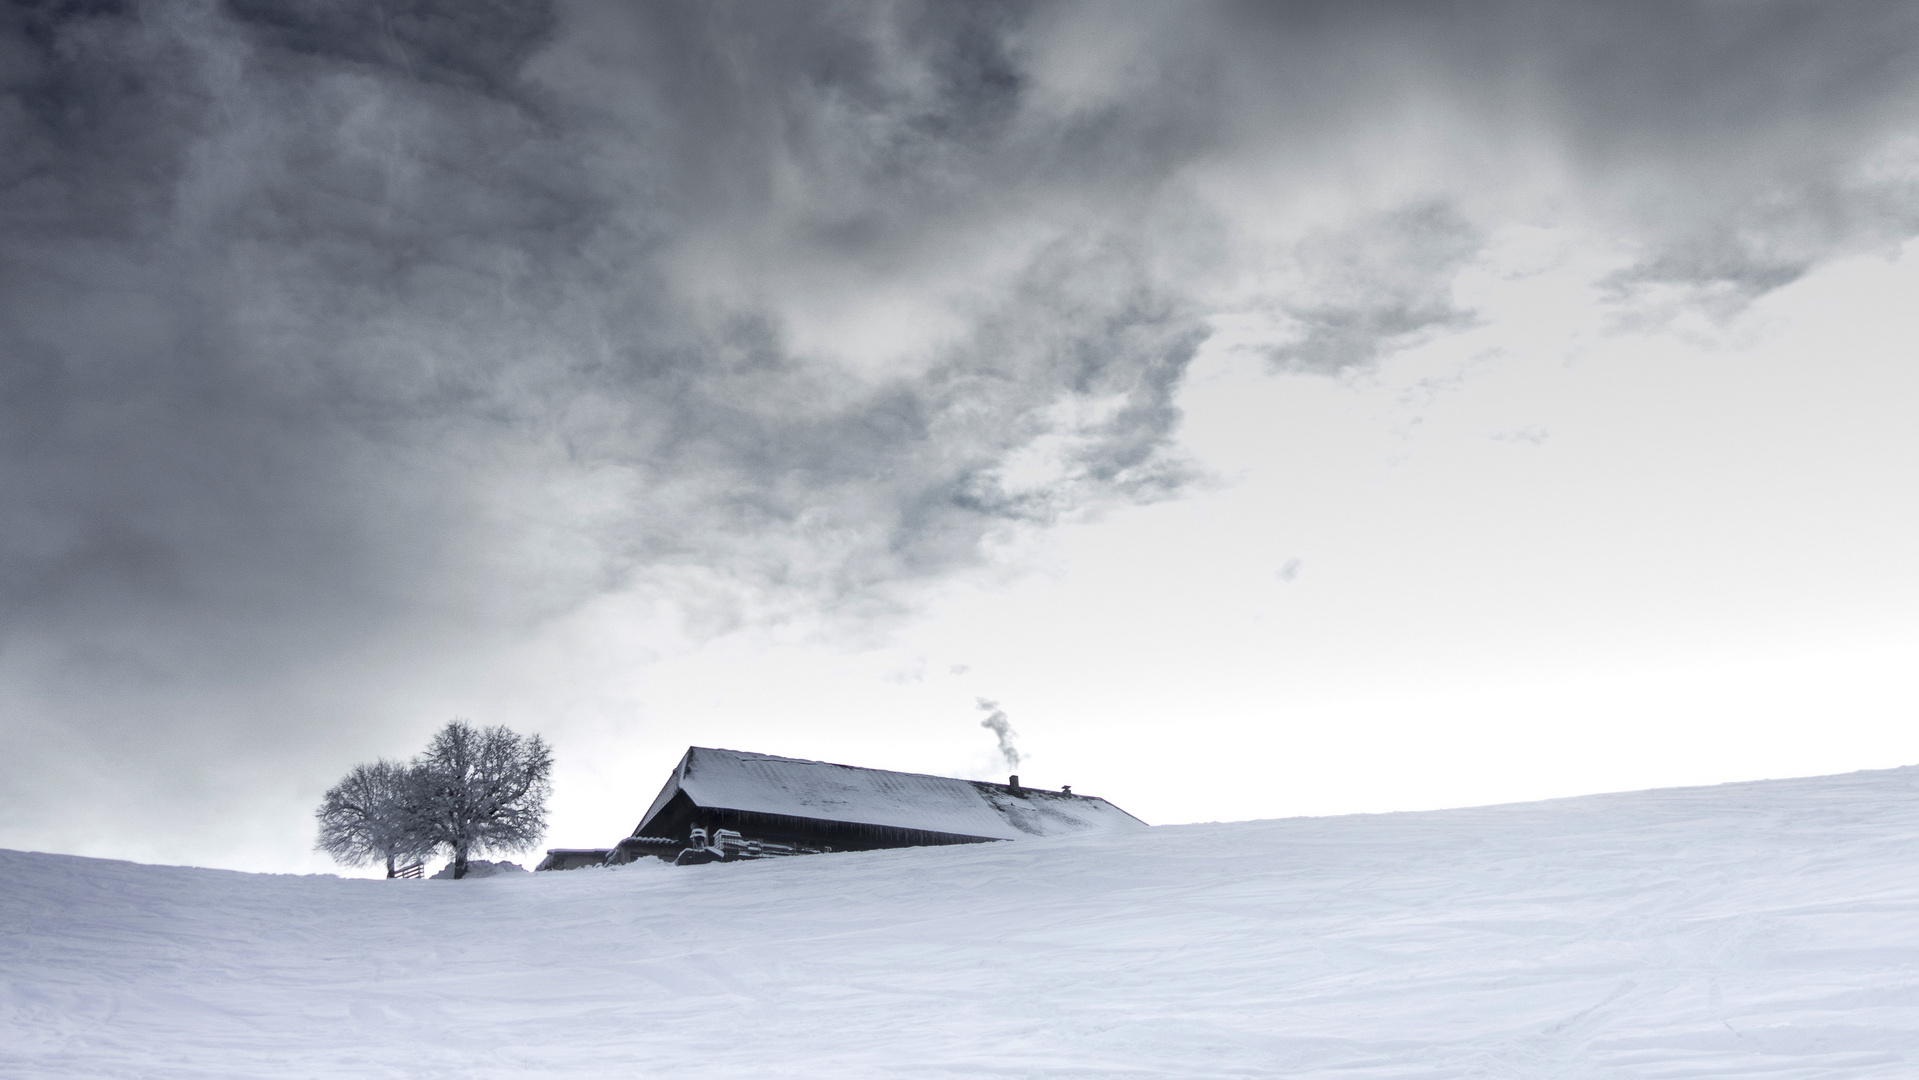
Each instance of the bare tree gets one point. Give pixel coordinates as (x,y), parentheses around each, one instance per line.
(371,815)
(483,789)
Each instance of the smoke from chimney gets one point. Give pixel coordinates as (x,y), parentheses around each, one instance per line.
(997,724)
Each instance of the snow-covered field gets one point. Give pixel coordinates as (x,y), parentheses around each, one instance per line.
(1754,930)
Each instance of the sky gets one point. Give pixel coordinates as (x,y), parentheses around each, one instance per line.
(1265,409)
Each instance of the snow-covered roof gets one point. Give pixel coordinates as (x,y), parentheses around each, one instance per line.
(765,784)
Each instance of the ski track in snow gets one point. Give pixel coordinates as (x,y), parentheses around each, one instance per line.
(1752,930)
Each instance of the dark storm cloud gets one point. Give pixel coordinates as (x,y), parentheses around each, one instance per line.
(1729,147)
(336,338)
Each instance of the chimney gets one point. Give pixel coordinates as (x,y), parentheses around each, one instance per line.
(1013,782)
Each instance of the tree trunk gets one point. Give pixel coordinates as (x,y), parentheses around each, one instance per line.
(459,863)
(389,864)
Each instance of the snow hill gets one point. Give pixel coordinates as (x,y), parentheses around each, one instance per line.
(1753,930)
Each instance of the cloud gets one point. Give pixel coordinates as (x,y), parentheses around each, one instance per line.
(1381,284)
(340,343)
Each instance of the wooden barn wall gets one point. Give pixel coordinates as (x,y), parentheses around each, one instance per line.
(679,816)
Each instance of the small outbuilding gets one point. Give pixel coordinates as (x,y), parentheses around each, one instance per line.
(570,858)
(725,805)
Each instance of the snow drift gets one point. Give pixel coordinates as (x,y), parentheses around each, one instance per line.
(479,868)
(1754,930)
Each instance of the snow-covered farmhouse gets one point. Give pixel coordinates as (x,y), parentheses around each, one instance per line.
(724,805)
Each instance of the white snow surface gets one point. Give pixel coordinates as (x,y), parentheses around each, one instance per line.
(478,868)
(1754,930)
(767,784)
